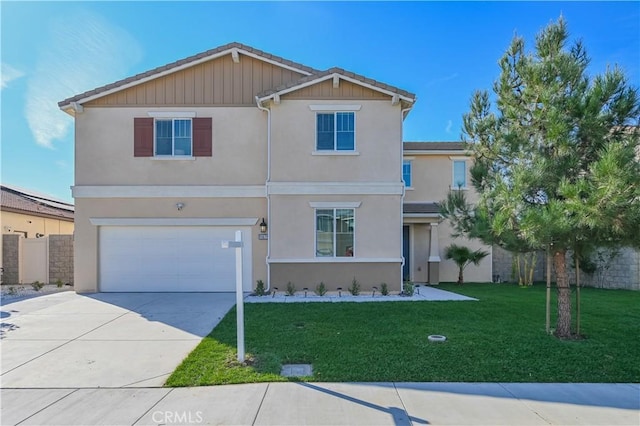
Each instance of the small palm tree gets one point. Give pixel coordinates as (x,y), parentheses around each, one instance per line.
(463,256)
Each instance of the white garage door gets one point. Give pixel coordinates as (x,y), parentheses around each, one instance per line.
(170,259)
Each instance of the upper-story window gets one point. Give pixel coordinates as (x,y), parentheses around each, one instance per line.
(459,174)
(167,135)
(173,137)
(335,131)
(406,173)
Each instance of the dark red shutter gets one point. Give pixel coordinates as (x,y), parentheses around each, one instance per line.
(143,137)
(202,137)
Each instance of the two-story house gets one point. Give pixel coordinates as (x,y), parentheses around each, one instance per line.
(430,170)
(307,163)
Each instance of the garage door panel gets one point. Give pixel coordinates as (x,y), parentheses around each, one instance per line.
(164,258)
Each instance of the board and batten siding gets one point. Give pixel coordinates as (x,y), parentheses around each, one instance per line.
(216,82)
(346,90)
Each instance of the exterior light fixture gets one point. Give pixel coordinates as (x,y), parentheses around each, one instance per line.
(180,206)
(263,226)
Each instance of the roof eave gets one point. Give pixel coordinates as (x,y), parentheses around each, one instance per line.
(436,152)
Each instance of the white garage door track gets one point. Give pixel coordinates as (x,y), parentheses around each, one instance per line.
(67,340)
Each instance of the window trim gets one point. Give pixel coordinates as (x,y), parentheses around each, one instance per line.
(410,163)
(315,233)
(173,143)
(335,150)
(453,173)
(326,205)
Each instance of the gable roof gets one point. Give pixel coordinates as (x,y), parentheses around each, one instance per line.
(340,73)
(230,48)
(28,202)
(312,76)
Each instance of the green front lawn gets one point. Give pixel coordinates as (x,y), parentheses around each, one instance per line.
(499,338)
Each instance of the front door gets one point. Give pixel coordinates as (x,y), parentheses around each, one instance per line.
(406,269)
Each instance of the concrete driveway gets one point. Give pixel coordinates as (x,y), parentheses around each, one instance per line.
(67,340)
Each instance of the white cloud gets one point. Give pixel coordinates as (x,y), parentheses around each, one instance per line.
(7,74)
(448,128)
(83,51)
(62,164)
(442,79)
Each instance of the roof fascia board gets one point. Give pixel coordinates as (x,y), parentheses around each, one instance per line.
(330,77)
(270,61)
(180,68)
(434,152)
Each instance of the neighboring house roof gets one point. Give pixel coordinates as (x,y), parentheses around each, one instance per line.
(347,75)
(434,146)
(312,75)
(420,208)
(28,202)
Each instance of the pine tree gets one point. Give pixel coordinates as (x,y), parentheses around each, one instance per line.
(556,158)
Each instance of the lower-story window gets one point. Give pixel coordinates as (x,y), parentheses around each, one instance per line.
(334,232)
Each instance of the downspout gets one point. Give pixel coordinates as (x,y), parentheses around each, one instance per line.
(402,111)
(266,188)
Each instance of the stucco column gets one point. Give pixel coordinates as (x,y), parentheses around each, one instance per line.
(434,256)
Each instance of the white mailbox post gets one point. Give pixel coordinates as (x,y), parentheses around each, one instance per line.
(237,244)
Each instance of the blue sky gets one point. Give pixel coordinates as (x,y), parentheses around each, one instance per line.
(442,52)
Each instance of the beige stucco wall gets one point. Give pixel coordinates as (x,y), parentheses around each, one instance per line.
(32,225)
(377,225)
(378,139)
(420,239)
(378,219)
(20,222)
(104,156)
(104,149)
(336,275)
(86,241)
(449,270)
(432,177)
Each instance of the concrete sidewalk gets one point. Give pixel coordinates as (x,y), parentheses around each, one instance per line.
(422,293)
(329,404)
